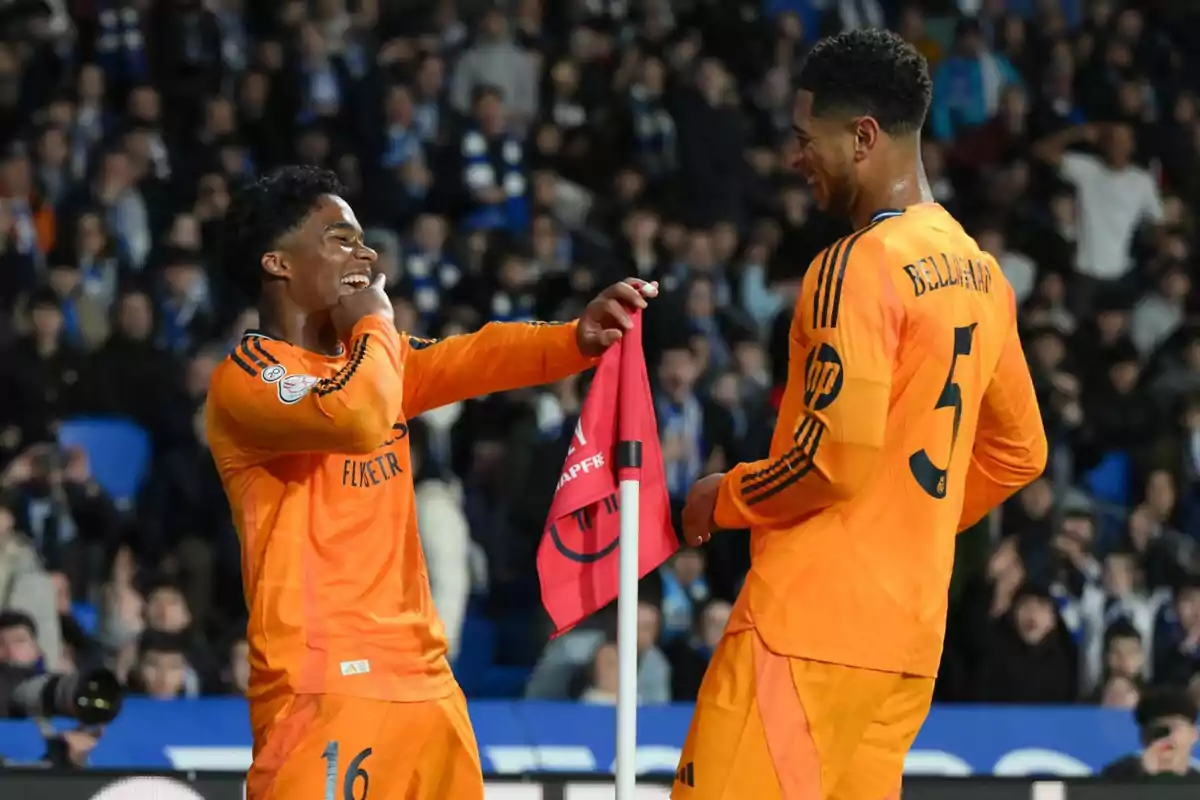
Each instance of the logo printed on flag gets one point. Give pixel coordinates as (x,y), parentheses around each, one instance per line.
(576,560)
(580,466)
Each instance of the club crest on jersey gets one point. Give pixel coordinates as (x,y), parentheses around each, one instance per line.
(822,376)
(293,387)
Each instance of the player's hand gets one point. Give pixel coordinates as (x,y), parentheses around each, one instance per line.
(606,318)
(698,510)
(351,308)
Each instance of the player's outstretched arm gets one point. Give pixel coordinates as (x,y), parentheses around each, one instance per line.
(850,327)
(502,356)
(264,404)
(1010,443)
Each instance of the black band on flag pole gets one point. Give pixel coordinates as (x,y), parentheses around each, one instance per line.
(629,455)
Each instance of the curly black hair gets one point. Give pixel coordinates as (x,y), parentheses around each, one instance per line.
(869,72)
(265,210)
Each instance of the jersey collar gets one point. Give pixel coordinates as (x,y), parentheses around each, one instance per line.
(885,213)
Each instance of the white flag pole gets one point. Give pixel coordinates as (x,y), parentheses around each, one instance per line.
(629,465)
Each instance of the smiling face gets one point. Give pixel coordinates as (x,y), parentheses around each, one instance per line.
(324,258)
(826,152)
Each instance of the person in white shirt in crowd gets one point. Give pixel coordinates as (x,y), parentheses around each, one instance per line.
(1160,313)
(1116,196)
(445,537)
(1118,614)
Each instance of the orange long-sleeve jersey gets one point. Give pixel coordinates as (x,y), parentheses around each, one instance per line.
(909,413)
(313,453)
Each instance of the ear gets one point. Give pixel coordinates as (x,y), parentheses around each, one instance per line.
(866,136)
(275,264)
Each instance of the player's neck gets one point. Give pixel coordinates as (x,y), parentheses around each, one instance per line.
(901,183)
(311,332)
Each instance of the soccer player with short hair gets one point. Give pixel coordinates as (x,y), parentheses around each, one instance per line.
(306,420)
(908,415)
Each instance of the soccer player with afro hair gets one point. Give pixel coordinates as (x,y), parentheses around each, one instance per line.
(307,423)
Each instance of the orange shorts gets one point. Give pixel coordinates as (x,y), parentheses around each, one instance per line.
(770,727)
(331,747)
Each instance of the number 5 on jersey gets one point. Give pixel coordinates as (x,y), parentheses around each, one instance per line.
(930,477)
(356,775)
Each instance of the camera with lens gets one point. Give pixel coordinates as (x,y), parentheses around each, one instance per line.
(92,697)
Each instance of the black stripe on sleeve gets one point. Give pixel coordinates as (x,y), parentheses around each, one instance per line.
(829,317)
(802,463)
(760,479)
(242,363)
(828,278)
(250,355)
(338,382)
(262,350)
(837,275)
(783,471)
(821,278)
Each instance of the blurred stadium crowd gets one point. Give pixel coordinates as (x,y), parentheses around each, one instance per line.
(508,160)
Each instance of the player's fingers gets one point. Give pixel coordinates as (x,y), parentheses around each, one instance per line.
(628,294)
(693,533)
(614,309)
(610,336)
(644,288)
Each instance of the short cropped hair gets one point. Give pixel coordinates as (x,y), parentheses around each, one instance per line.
(1121,629)
(265,210)
(869,72)
(11,619)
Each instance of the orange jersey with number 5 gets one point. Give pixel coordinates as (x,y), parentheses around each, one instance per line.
(909,414)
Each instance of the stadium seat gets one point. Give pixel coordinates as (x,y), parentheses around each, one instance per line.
(86,615)
(507,683)
(519,639)
(476,653)
(1109,480)
(119,452)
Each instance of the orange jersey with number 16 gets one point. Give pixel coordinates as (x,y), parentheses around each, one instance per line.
(314,455)
(909,413)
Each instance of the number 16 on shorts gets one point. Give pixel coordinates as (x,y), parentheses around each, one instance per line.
(355,784)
